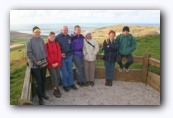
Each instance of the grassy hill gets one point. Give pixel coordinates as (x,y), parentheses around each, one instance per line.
(21,38)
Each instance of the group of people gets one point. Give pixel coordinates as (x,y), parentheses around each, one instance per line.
(61,51)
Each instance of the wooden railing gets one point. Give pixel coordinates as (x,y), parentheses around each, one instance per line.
(135,75)
(26,95)
(153,79)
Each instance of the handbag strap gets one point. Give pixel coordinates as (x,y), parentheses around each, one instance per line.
(90,43)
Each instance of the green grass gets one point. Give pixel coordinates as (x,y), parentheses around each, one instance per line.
(16,83)
(145,45)
(17,52)
(148,45)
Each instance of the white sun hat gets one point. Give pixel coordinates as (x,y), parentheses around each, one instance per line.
(87,32)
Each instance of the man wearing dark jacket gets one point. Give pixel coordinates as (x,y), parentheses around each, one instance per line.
(127,46)
(66,70)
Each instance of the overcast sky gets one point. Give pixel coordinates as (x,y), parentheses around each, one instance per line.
(84,16)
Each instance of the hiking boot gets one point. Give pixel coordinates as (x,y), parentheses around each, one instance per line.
(45,96)
(84,83)
(120,70)
(88,83)
(110,83)
(92,83)
(66,89)
(41,102)
(57,93)
(74,87)
(106,84)
(80,84)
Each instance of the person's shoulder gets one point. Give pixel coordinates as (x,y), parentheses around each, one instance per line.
(68,35)
(131,36)
(41,39)
(57,43)
(119,35)
(30,39)
(58,35)
(94,40)
(105,40)
(81,35)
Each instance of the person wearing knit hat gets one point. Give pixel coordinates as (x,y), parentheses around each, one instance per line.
(36,30)
(126,28)
(127,46)
(90,51)
(36,52)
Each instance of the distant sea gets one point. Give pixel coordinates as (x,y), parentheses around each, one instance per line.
(46,28)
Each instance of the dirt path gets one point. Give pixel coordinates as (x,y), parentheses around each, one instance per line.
(15,45)
(121,93)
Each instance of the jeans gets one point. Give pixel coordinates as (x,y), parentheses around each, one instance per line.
(39,80)
(66,71)
(109,69)
(128,63)
(78,61)
(55,76)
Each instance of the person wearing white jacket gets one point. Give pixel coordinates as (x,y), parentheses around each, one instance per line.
(90,51)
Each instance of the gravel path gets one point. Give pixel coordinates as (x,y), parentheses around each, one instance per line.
(121,93)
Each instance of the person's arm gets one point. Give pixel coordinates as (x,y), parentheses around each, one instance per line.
(29,52)
(133,44)
(44,49)
(84,48)
(59,55)
(96,49)
(106,47)
(50,61)
(115,45)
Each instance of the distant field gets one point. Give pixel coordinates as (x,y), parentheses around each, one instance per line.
(138,31)
(21,38)
(148,42)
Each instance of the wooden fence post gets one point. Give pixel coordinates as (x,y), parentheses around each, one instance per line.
(145,68)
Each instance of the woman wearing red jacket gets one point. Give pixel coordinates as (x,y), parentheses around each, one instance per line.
(54,62)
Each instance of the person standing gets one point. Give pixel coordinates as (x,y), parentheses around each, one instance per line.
(90,51)
(127,46)
(66,70)
(35,51)
(78,57)
(54,62)
(110,47)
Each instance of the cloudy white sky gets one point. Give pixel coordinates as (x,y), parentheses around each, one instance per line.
(84,16)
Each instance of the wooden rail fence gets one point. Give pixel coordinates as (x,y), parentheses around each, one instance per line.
(134,75)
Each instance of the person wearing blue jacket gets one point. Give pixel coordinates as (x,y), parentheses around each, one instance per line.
(110,47)
(66,70)
(78,56)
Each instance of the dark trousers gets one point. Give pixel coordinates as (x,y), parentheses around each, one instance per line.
(128,63)
(79,68)
(39,80)
(109,69)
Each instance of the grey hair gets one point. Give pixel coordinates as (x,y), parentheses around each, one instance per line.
(64,27)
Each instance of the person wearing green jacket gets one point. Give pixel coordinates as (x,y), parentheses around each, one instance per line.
(127,46)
